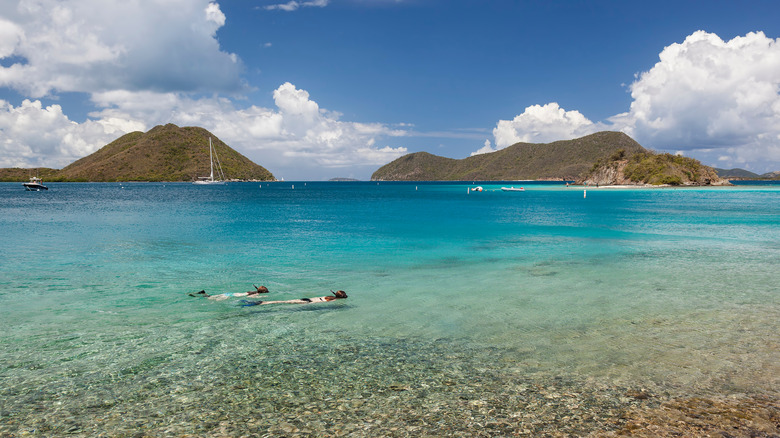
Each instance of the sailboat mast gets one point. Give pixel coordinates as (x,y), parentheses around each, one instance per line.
(211,160)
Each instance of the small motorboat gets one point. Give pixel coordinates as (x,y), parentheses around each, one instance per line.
(513,189)
(477,189)
(35,185)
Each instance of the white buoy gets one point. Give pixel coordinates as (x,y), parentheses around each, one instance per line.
(585,193)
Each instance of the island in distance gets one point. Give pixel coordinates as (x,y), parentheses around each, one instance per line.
(605,158)
(172,153)
(741,174)
(164,153)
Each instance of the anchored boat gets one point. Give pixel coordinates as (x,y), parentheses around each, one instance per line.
(210,179)
(35,185)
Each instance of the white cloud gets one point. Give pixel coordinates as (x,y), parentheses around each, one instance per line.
(99,45)
(215,15)
(542,124)
(143,63)
(298,139)
(34,136)
(294,5)
(10,37)
(713,99)
(307,132)
(486,149)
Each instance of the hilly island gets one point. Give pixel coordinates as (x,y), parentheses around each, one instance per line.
(600,158)
(172,153)
(164,153)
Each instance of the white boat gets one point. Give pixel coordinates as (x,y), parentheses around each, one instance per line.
(210,179)
(35,185)
(513,189)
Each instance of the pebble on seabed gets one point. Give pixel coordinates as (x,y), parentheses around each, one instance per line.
(306,391)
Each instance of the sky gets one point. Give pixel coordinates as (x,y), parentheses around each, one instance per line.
(317,89)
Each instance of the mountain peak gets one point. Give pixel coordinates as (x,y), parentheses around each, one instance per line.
(164,153)
(566,159)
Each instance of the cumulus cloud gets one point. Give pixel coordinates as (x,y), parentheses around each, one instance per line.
(542,124)
(10,37)
(296,139)
(710,98)
(152,64)
(486,149)
(35,136)
(308,132)
(99,45)
(716,100)
(294,5)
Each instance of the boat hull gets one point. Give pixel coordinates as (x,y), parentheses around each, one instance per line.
(34,187)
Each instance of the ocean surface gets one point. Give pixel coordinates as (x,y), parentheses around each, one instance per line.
(553,310)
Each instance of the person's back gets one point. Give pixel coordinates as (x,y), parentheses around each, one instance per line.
(220,297)
(340,294)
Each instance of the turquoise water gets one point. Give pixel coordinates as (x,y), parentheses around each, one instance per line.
(510,313)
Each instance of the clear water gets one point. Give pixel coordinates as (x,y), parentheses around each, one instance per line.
(464,309)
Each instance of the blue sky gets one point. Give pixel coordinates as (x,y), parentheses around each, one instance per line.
(325,88)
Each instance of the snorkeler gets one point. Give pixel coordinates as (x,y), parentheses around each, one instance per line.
(258,290)
(336,295)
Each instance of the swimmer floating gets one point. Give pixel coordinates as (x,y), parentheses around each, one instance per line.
(220,297)
(339,294)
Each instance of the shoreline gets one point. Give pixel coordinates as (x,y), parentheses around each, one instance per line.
(563,182)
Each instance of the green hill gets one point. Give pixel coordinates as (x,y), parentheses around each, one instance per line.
(164,153)
(650,168)
(558,160)
(17,174)
(736,173)
(771,175)
(746,174)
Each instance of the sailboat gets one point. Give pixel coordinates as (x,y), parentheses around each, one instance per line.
(210,179)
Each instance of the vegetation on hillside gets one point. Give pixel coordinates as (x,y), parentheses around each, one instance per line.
(650,168)
(164,153)
(17,174)
(663,169)
(745,174)
(736,173)
(772,175)
(558,160)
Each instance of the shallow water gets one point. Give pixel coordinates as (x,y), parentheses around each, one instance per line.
(487,313)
